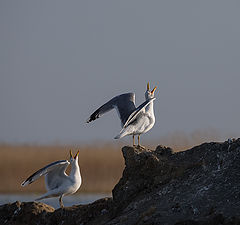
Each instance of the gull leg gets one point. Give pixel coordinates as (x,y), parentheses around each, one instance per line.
(139,146)
(133,140)
(61,202)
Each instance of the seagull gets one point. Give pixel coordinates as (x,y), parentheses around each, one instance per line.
(57,182)
(134,121)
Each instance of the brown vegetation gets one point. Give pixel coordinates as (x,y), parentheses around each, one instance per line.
(101,167)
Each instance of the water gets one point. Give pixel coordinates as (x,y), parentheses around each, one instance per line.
(67,200)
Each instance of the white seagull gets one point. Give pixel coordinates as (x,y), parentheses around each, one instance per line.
(134,121)
(57,182)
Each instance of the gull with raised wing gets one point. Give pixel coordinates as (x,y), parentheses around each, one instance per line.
(134,120)
(57,182)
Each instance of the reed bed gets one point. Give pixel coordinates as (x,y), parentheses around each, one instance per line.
(101,167)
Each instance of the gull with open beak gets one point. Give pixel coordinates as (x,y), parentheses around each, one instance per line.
(134,121)
(57,182)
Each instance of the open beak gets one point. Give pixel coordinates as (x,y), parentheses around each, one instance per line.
(71,155)
(76,155)
(154,89)
(148,87)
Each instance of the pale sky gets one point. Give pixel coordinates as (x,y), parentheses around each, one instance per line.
(60,60)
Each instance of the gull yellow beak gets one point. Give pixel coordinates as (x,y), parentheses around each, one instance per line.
(76,155)
(154,89)
(148,87)
(71,155)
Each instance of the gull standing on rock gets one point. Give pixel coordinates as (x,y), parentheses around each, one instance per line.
(57,182)
(134,121)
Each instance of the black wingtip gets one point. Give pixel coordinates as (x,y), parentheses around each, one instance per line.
(93,117)
(89,119)
(26,182)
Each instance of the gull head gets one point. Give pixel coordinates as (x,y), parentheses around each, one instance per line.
(150,94)
(73,159)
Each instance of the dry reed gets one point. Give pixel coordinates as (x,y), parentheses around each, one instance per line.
(101,167)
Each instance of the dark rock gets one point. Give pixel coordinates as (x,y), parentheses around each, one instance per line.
(198,186)
(164,151)
(24,213)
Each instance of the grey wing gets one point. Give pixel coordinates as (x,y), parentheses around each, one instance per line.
(55,166)
(55,177)
(138,110)
(124,104)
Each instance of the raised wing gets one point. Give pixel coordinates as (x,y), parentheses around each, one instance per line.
(138,110)
(55,166)
(124,104)
(55,177)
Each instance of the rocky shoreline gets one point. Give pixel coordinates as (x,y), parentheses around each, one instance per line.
(197,186)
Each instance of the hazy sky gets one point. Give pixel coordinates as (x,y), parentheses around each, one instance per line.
(60,60)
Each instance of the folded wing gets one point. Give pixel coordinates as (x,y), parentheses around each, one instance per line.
(58,167)
(124,104)
(138,110)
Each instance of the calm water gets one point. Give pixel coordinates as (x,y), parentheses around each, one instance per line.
(67,200)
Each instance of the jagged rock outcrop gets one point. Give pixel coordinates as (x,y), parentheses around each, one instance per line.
(197,186)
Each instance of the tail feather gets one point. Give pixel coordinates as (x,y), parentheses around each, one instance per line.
(49,194)
(119,136)
(123,133)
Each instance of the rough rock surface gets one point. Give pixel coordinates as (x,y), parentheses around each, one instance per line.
(197,186)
